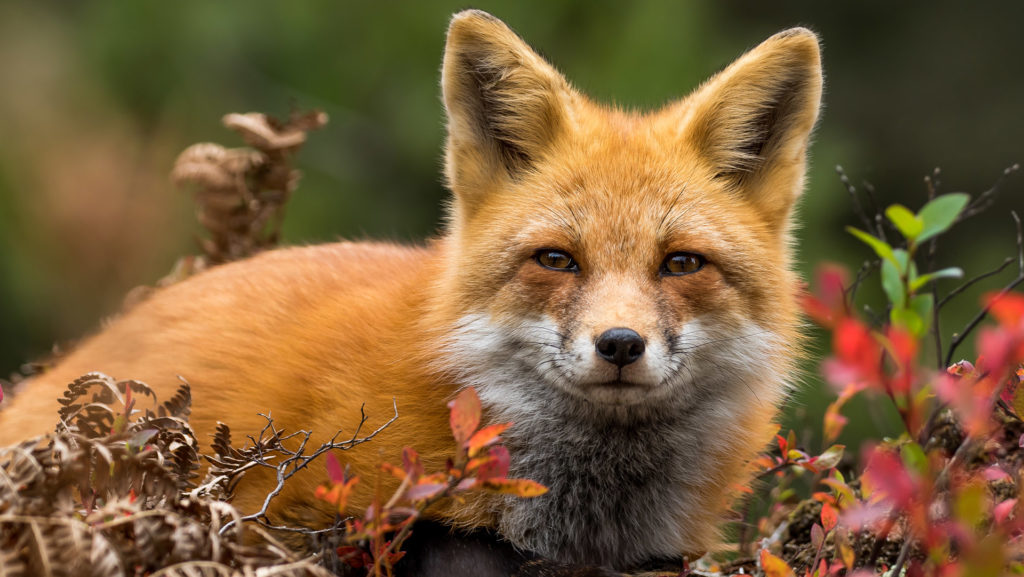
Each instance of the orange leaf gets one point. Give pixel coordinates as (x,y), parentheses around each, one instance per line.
(518,487)
(773,566)
(485,436)
(829,517)
(741,488)
(465,414)
(396,471)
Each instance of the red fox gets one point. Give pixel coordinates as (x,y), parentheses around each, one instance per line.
(617,284)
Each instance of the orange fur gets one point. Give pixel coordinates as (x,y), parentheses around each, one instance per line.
(307,334)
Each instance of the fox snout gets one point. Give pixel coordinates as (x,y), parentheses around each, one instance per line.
(620,346)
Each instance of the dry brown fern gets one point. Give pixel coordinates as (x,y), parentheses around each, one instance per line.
(112,493)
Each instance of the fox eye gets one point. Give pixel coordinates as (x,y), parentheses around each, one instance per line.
(681,263)
(556,260)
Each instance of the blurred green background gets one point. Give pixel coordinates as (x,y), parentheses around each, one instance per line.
(99,97)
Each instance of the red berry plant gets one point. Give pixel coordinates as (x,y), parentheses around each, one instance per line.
(373,543)
(943,497)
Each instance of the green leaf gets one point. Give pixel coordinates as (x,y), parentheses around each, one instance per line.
(906,222)
(907,319)
(880,247)
(914,458)
(893,285)
(971,504)
(952,272)
(831,457)
(923,305)
(939,214)
(902,259)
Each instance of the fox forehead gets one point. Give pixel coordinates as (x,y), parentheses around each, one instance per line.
(621,202)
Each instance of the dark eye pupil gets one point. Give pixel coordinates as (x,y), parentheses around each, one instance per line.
(556,260)
(683,263)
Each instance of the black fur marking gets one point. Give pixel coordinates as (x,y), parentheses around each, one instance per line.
(436,550)
(768,127)
(487,80)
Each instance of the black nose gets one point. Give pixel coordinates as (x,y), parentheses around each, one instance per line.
(620,346)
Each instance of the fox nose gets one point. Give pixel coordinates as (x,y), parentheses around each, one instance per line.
(621,346)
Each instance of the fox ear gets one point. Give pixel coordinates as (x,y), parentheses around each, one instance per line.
(752,122)
(505,104)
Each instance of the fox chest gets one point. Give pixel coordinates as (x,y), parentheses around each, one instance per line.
(617,495)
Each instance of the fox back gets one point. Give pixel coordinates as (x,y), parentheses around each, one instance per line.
(617,284)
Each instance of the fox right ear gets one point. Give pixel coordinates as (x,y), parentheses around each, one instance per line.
(505,104)
(752,122)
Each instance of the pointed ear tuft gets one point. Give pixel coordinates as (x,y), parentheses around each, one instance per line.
(752,122)
(505,104)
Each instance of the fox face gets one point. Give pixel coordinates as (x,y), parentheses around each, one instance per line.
(623,259)
(624,288)
(620,283)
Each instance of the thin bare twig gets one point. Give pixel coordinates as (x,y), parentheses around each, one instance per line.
(863,272)
(297,458)
(958,338)
(968,284)
(985,199)
(852,190)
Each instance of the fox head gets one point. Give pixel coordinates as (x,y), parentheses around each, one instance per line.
(623,261)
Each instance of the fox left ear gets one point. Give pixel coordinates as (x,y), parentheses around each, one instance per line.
(505,105)
(752,122)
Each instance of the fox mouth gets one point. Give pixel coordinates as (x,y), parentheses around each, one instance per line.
(621,384)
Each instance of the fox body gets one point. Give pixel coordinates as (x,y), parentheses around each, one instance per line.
(616,284)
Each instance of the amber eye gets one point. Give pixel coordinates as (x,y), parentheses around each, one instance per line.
(556,260)
(680,263)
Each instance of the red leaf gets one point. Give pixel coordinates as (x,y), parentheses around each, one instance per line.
(817,536)
(518,487)
(396,556)
(1007,308)
(886,473)
(829,304)
(858,356)
(960,368)
(995,473)
(903,348)
(1002,511)
(424,491)
(335,472)
(484,437)
(496,465)
(465,414)
(904,345)
(996,348)
(783,445)
(411,463)
(351,556)
(864,515)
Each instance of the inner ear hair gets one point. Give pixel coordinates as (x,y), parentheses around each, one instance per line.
(756,115)
(498,117)
(505,104)
(765,128)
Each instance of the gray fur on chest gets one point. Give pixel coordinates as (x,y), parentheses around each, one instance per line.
(617,491)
